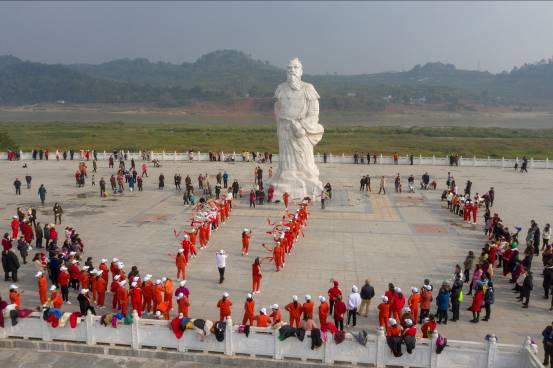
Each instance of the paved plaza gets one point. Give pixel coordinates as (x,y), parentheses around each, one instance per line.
(400,238)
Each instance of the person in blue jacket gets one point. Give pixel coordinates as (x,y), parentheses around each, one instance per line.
(442,301)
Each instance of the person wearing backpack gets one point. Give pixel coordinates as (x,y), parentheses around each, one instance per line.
(489,299)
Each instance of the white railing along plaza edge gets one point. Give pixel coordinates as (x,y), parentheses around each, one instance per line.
(331,158)
(264,343)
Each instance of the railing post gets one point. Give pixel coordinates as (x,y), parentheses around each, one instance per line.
(420,159)
(492,351)
(502,162)
(381,159)
(531,162)
(330,157)
(525,356)
(473,160)
(327,355)
(105,155)
(135,330)
(433,160)
(489,164)
(276,355)
(228,337)
(199,156)
(547,162)
(89,328)
(45,330)
(175,155)
(380,347)
(343,157)
(433,354)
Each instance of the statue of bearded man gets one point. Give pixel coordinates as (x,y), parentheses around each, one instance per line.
(298,128)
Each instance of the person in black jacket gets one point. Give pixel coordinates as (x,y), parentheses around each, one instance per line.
(10,263)
(548,344)
(455,303)
(84,303)
(367,293)
(527,287)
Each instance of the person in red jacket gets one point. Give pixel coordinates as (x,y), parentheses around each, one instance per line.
(275,314)
(397,304)
(42,287)
(27,231)
(63,281)
(249,310)
(75,274)
(183,304)
(323,310)
(339,312)
(15,227)
(147,294)
(181,261)
(123,297)
(6,242)
(114,288)
(477,303)
(278,256)
(136,298)
(333,294)
(101,288)
(246,235)
(294,308)
(224,305)
(256,276)
(53,234)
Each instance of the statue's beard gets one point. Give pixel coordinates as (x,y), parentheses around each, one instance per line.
(294,81)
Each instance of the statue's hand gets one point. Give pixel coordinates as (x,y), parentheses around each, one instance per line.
(298,130)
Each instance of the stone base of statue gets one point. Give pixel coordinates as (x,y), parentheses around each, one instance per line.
(298,184)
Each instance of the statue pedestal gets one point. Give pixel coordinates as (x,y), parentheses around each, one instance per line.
(297,184)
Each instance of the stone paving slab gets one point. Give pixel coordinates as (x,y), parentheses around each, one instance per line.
(398,237)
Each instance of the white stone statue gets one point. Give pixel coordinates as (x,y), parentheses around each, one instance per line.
(298,128)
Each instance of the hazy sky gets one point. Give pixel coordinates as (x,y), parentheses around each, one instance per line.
(343,37)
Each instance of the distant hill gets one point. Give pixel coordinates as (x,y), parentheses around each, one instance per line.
(227,75)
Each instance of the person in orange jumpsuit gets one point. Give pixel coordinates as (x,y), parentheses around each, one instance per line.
(246,236)
(256,276)
(276,316)
(474,211)
(285,197)
(203,237)
(383,312)
(467,209)
(181,261)
(84,278)
(157,297)
(94,285)
(101,288)
(262,319)
(15,296)
(249,310)
(307,307)
(323,310)
(114,288)
(168,292)
(123,297)
(55,297)
(414,302)
(183,304)
(192,235)
(162,311)
(278,254)
(136,298)
(42,287)
(113,268)
(147,294)
(224,305)
(295,309)
(105,270)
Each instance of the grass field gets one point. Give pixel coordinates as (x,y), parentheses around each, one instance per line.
(426,141)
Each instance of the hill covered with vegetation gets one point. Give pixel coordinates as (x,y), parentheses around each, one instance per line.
(228,75)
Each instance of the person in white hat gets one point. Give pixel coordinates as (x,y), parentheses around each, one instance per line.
(307,307)
(294,309)
(276,316)
(224,304)
(181,262)
(15,296)
(353,303)
(42,287)
(221,260)
(262,319)
(394,337)
(249,310)
(246,236)
(55,300)
(414,303)
(384,312)
(323,310)
(84,302)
